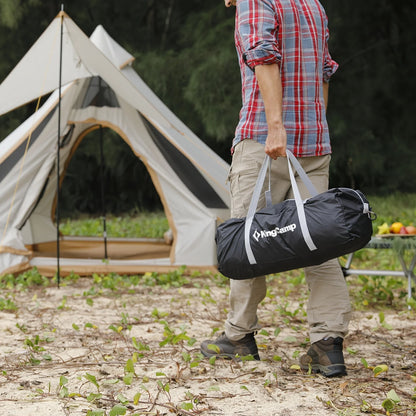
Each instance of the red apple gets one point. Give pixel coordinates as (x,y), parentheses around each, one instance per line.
(403,230)
(411,229)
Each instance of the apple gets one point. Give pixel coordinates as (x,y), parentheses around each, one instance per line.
(411,229)
(403,230)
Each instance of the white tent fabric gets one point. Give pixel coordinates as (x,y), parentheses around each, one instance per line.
(189,177)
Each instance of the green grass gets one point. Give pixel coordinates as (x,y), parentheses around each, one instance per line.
(143,225)
(395,207)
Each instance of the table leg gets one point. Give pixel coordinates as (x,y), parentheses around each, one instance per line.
(409,273)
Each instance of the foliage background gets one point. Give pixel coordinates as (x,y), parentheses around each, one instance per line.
(184,50)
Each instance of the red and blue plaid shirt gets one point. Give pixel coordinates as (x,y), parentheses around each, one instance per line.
(294,34)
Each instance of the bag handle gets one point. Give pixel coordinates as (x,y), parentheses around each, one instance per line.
(299,204)
(298,200)
(252,209)
(299,169)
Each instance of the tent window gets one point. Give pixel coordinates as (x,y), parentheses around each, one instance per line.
(10,162)
(99,94)
(184,168)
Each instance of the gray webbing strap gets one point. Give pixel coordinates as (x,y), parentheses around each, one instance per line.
(268,193)
(252,209)
(298,200)
(295,163)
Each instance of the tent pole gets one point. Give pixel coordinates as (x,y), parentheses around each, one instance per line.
(103,207)
(58,167)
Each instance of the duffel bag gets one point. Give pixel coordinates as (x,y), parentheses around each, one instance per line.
(294,233)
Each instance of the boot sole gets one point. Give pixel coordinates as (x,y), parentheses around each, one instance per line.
(335,370)
(229,356)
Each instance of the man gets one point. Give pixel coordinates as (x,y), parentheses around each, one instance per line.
(282,46)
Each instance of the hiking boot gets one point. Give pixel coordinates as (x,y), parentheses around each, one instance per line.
(326,357)
(223,347)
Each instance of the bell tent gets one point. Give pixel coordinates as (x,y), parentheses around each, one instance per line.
(96,86)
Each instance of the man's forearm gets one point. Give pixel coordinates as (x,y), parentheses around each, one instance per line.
(270,84)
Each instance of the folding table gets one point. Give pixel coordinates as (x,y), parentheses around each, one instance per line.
(399,244)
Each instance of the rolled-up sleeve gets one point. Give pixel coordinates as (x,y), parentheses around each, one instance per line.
(330,66)
(257,26)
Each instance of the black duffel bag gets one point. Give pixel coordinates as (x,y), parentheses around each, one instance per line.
(294,233)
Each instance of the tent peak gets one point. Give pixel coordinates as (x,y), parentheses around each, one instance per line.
(62,14)
(110,48)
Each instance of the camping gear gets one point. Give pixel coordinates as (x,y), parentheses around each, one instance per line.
(100,88)
(294,233)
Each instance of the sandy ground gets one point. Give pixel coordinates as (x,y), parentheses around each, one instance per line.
(82,349)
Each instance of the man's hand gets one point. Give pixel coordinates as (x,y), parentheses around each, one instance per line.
(229,3)
(276,142)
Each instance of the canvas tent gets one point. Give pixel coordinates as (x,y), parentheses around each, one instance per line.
(100,88)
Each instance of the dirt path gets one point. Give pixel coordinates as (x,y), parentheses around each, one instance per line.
(85,349)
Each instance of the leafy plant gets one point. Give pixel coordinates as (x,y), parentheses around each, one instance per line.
(391,401)
(24,280)
(92,379)
(171,337)
(7,305)
(175,278)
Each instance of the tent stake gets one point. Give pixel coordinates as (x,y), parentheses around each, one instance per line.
(58,167)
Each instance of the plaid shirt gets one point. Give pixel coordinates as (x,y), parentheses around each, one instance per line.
(294,34)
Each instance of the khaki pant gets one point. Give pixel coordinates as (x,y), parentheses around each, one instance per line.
(328,308)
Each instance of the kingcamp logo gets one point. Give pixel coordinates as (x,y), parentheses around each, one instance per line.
(273,233)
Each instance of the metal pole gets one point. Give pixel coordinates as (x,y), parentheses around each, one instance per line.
(103,207)
(58,167)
